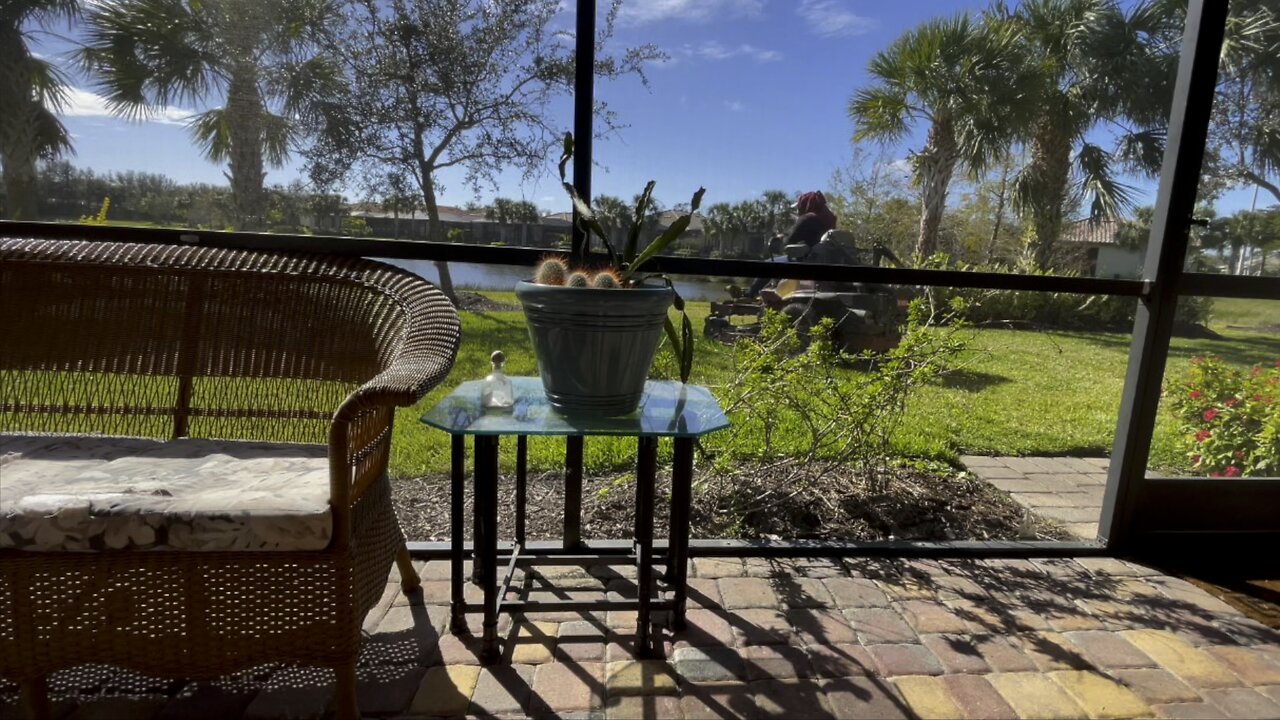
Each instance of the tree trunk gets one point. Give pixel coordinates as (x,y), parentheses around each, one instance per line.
(1049,178)
(18,123)
(1233,264)
(934,166)
(433,235)
(246,175)
(999,220)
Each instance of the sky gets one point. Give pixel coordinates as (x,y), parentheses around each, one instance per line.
(752,97)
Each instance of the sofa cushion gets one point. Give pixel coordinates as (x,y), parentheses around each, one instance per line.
(63,493)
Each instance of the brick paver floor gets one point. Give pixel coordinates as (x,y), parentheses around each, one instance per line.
(1067,490)
(855,638)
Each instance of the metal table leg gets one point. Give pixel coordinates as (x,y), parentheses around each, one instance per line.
(646,470)
(486,487)
(573,491)
(678,552)
(522,479)
(458,457)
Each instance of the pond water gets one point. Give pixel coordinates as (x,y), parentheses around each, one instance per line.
(474,276)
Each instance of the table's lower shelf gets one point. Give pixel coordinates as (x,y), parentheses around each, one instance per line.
(655,607)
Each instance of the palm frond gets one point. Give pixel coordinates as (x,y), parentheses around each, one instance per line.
(1143,150)
(278,137)
(49,83)
(212,131)
(145,54)
(51,137)
(1110,197)
(880,113)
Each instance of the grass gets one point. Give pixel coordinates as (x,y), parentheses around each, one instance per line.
(1017,392)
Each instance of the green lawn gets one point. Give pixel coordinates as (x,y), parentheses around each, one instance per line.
(1018,392)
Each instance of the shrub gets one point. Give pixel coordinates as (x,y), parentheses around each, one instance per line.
(1067,311)
(101,217)
(812,403)
(356,227)
(1228,417)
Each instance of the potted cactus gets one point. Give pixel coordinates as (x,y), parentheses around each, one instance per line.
(595,322)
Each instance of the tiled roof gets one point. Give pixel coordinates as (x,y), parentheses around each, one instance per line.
(1087,232)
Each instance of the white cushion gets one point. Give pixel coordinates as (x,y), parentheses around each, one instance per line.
(101,493)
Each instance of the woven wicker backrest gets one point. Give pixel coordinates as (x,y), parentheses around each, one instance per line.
(158,341)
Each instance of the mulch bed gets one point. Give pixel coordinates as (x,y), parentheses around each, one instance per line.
(831,503)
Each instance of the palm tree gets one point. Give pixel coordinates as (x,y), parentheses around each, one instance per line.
(263,59)
(31,91)
(1092,65)
(961,77)
(777,209)
(719,226)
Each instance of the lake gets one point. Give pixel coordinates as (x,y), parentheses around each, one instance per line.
(474,276)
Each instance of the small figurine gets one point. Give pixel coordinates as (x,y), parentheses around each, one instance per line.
(496,393)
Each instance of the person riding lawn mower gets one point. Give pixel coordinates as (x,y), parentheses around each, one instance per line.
(867,316)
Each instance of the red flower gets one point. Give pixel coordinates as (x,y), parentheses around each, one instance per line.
(1195,394)
(1233,471)
(1195,459)
(1215,473)
(1256,398)
(1231,402)
(1210,414)
(1203,435)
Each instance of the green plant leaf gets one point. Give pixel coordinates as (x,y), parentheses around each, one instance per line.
(585,215)
(686,347)
(672,336)
(672,234)
(642,207)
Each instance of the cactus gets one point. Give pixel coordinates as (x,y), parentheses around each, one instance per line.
(606,280)
(552,271)
(578,279)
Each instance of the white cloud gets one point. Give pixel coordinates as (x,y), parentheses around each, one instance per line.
(713,50)
(735,105)
(640,12)
(833,18)
(82,103)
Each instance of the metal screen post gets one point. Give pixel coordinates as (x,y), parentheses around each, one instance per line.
(1166,253)
(584,100)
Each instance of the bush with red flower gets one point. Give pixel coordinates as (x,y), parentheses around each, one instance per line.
(1229,418)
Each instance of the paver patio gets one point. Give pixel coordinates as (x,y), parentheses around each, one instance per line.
(860,638)
(1065,489)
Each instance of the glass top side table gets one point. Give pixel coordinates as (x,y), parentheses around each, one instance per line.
(668,409)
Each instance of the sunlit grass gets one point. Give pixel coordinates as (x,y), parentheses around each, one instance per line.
(1017,392)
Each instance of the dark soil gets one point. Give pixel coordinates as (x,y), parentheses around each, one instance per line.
(475,302)
(834,504)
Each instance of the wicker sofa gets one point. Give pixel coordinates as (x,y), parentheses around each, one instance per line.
(143,385)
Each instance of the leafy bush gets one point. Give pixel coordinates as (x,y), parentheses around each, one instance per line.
(1229,418)
(101,217)
(1069,311)
(787,400)
(356,227)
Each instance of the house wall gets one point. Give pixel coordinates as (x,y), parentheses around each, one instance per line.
(1116,262)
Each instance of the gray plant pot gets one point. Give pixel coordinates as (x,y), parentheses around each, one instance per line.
(594,347)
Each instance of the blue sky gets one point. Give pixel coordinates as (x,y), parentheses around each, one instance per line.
(752,98)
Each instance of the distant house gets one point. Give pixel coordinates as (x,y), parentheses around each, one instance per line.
(472,228)
(1095,250)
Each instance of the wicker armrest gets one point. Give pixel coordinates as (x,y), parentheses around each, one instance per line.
(424,360)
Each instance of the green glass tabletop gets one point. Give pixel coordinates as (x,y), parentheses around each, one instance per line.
(668,409)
